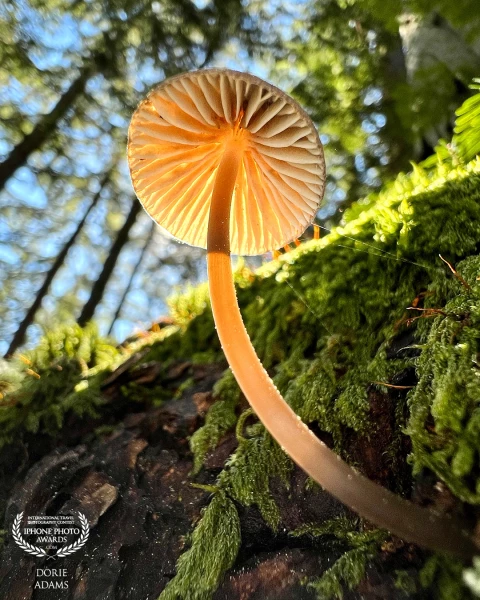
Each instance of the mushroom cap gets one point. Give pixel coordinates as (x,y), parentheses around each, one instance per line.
(176,139)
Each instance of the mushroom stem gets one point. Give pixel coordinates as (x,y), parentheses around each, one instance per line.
(373,502)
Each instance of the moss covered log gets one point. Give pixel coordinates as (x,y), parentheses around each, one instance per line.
(371,334)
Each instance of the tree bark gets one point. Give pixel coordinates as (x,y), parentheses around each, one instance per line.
(132,277)
(19,336)
(47,125)
(101,283)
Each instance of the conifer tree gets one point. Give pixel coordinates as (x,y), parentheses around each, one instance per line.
(73,73)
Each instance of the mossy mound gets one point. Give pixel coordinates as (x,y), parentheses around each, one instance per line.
(331,320)
(369,334)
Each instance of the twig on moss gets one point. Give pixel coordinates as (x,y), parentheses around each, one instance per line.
(457,275)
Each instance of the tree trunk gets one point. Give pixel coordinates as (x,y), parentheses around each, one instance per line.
(394,74)
(132,277)
(101,283)
(19,336)
(47,125)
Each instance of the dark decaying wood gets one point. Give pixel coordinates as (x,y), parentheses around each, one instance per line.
(134,486)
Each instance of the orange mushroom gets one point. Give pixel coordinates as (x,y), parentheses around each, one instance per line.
(226,161)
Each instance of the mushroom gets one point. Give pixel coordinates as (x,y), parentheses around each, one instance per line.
(226,161)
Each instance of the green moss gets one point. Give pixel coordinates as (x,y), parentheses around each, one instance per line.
(342,529)
(445,405)
(246,477)
(189,304)
(442,576)
(220,418)
(349,569)
(104,430)
(62,375)
(155,395)
(183,387)
(347,572)
(406,583)
(215,544)
(248,472)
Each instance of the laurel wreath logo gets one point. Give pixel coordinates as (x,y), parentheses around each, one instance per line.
(66,550)
(24,545)
(40,552)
